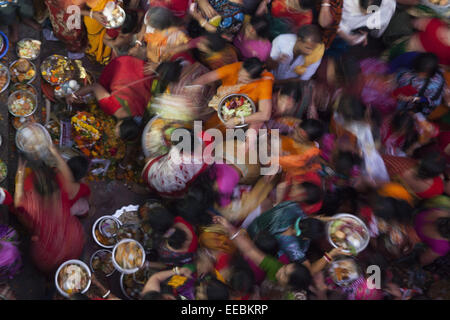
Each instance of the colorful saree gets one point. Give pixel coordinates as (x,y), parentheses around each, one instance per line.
(75,39)
(96,33)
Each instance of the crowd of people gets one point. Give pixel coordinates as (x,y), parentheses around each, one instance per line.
(360,101)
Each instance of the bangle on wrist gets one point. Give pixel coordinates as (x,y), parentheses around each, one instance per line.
(327,257)
(242,119)
(235,235)
(90,14)
(176,271)
(203,23)
(326,4)
(106,294)
(139,43)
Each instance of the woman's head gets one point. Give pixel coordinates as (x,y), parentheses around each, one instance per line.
(351,108)
(308,38)
(159,18)
(426,64)
(431,165)
(344,162)
(289,94)
(311,228)
(392,210)
(266,242)
(242,278)
(252,69)
(79,166)
(314,129)
(306,192)
(127,129)
(160,219)
(213,42)
(295,276)
(131,22)
(168,72)
(177,238)
(212,289)
(443,227)
(44,181)
(259,27)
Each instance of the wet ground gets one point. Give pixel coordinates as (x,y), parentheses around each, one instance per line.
(107,196)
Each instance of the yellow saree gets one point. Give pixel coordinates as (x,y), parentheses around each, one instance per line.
(96,32)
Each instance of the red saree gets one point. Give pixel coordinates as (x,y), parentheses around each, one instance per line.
(75,39)
(124,79)
(58,236)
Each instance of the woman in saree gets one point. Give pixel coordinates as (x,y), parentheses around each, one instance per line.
(94,21)
(292,99)
(215,52)
(43,199)
(423,178)
(433,227)
(248,77)
(329,17)
(163,37)
(253,39)
(75,39)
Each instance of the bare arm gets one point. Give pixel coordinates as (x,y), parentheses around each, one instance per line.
(206,78)
(263,114)
(325,16)
(20,176)
(154,283)
(262,8)
(242,242)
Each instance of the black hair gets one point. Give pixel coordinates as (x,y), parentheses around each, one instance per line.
(266,242)
(215,42)
(405,121)
(311,228)
(242,278)
(426,62)
(44,181)
(365,4)
(300,278)
(152,295)
(291,89)
(217,290)
(168,72)
(392,210)
(313,192)
(130,23)
(351,108)
(177,238)
(443,226)
(261,25)
(160,219)
(344,162)
(431,165)
(160,18)
(79,296)
(129,130)
(79,166)
(254,67)
(307,4)
(309,31)
(314,128)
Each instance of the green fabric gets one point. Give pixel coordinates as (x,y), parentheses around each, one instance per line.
(270,266)
(399,26)
(190,266)
(278,26)
(439,202)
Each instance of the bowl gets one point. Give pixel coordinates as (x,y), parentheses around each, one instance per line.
(222,103)
(357,221)
(14,96)
(119,21)
(345,263)
(33,66)
(116,264)
(24,86)
(5,70)
(4,47)
(94,227)
(101,251)
(33,140)
(122,286)
(31,56)
(76,262)
(49,64)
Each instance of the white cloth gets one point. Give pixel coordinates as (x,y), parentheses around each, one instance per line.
(353,18)
(373,163)
(2,196)
(172,172)
(284,45)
